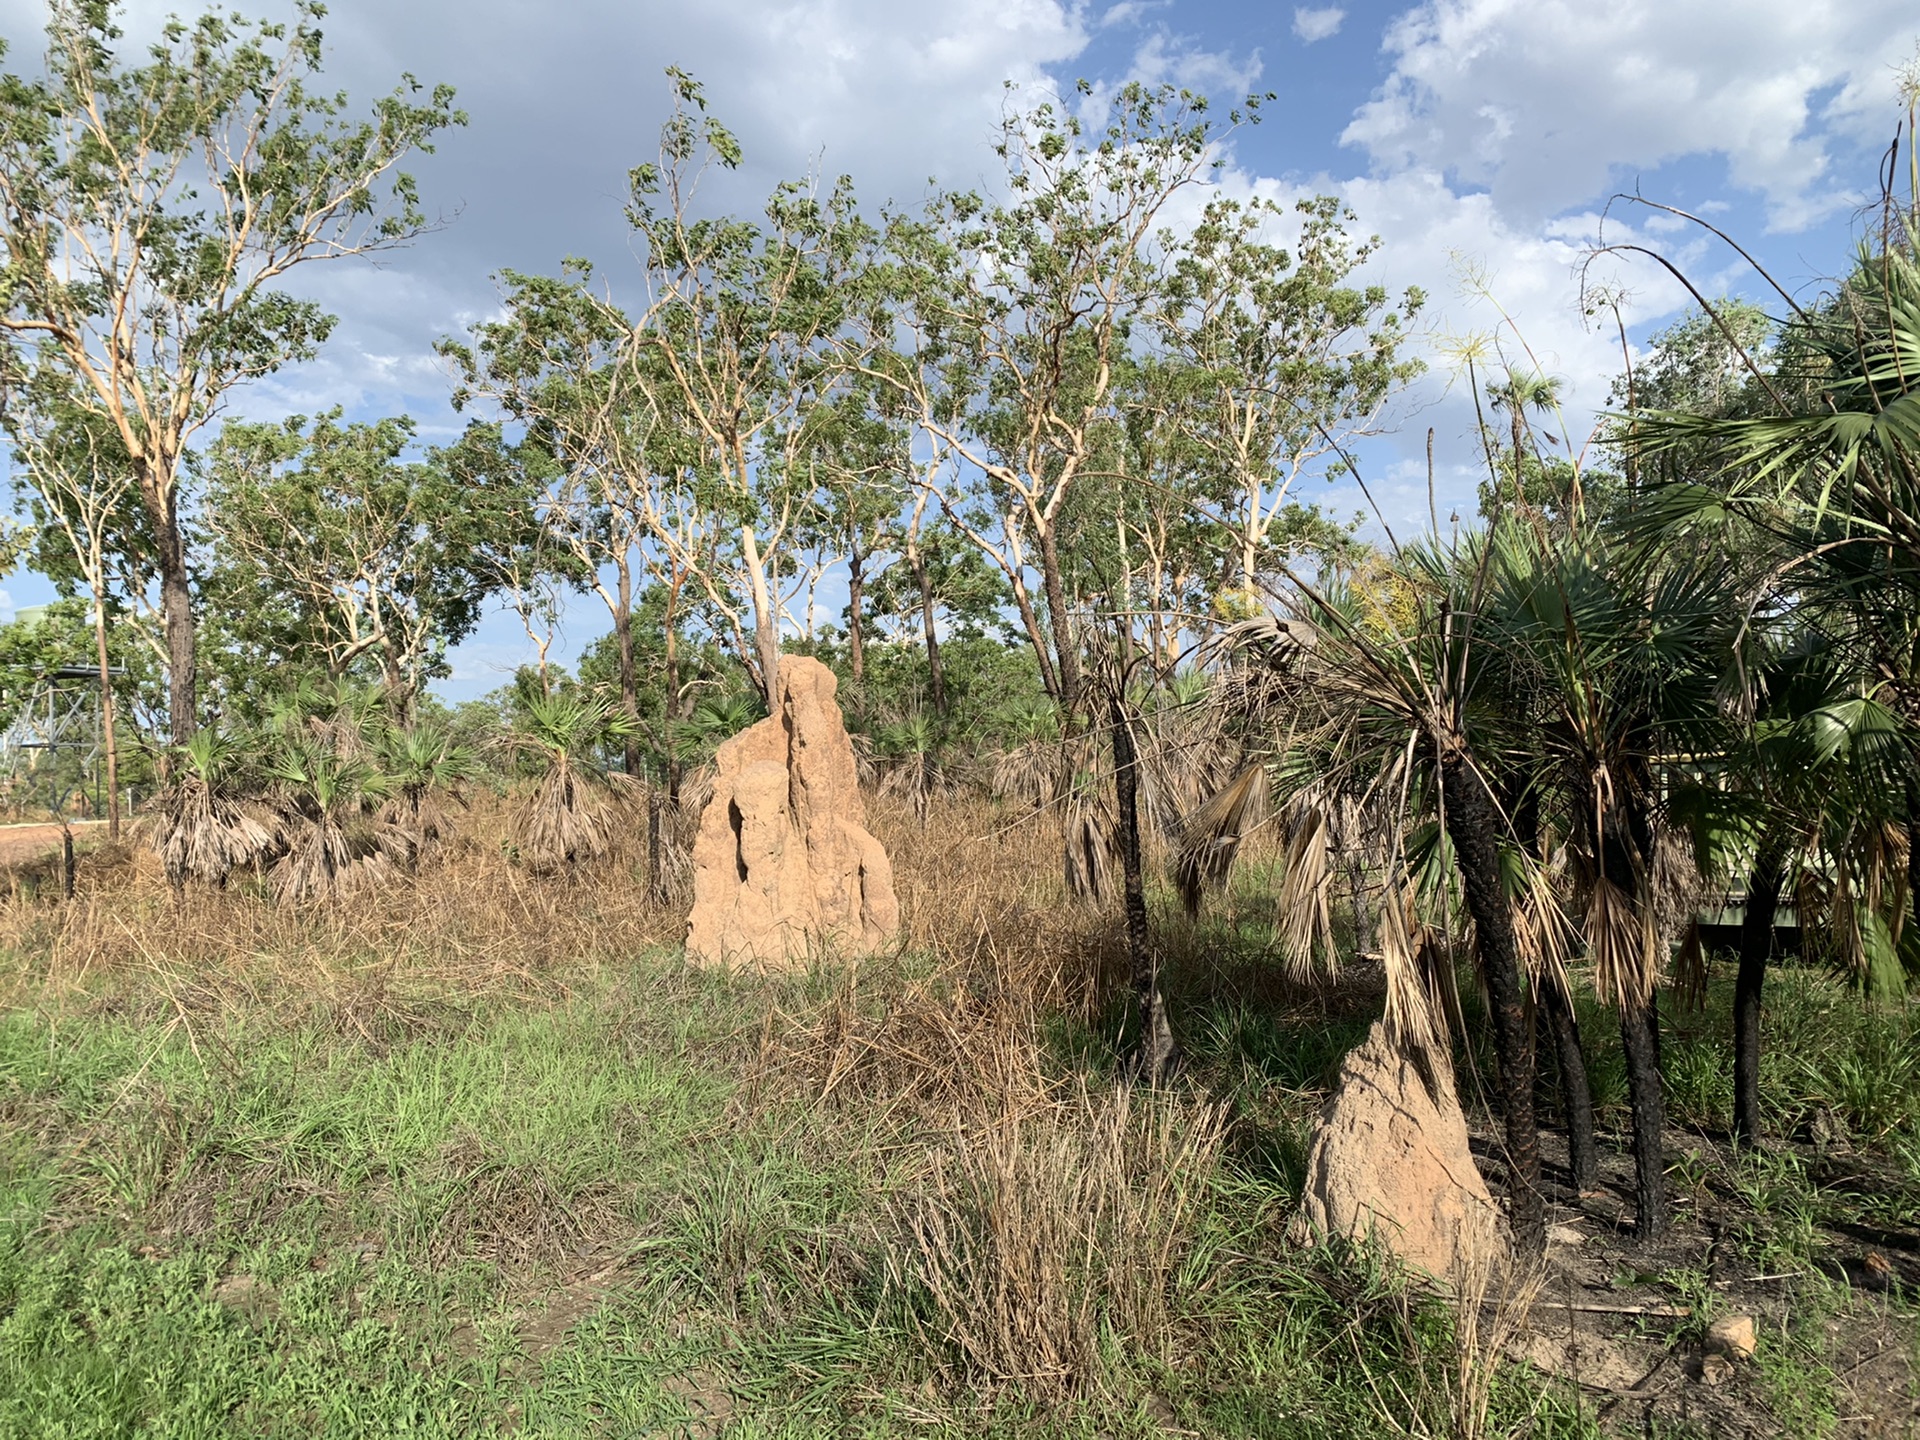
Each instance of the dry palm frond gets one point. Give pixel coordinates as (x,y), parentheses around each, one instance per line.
(327,856)
(1210,838)
(205,825)
(1678,885)
(696,788)
(1416,1013)
(1029,772)
(574,814)
(202,834)
(1689,982)
(1306,898)
(1544,932)
(1088,844)
(1625,943)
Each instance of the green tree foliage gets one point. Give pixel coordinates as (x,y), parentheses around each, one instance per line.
(333,553)
(151,215)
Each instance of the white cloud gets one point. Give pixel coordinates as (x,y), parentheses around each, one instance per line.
(1163,58)
(6,607)
(1313,25)
(1548,103)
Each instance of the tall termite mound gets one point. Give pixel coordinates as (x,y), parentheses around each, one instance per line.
(783,865)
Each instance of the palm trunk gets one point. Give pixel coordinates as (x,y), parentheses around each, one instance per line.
(936,679)
(1470,823)
(1155,1051)
(1640,1039)
(1756,949)
(1576,1091)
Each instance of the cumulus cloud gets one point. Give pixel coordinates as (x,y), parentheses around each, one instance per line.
(1547,103)
(1312,25)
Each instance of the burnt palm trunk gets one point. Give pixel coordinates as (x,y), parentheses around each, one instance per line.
(856,633)
(1756,949)
(1626,854)
(1471,826)
(1640,1039)
(1155,1051)
(1576,1090)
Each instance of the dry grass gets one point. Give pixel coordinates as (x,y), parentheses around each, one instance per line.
(1041,1229)
(470,922)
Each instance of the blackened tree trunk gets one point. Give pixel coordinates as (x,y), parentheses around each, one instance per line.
(1640,1039)
(1471,826)
(936,677)
(856,634)
(1756,949)
(1155,1052)
(1576,1087)
(1576,1090)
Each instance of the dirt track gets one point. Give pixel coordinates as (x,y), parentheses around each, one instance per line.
(21,843)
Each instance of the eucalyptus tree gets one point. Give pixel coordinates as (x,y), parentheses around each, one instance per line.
(743,336)
(80,488)
(856,459)
(559,366)
(328,544)
(1015,319)
(149,215)
(1288,361)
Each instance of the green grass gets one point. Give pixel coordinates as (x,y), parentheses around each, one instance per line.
(597,1217)
(614,1209)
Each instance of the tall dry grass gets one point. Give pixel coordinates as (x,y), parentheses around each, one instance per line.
(1040,1230)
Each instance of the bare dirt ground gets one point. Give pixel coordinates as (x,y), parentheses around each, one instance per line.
(1626,1322)
(23,844)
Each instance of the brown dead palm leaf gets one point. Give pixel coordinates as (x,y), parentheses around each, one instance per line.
(1624,941)
(1211,837)
(1306,898)
(1088,845)
(574,814)
(1417,1007)
(202,834)
(205,824)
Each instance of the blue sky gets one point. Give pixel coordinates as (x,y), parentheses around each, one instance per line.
(1477,137)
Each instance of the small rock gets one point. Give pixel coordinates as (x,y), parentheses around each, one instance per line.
(1565,1235)
(1715,1370)
(1732,1336)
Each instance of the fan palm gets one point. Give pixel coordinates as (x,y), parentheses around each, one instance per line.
(579,802)
(335,837)
(206,822)
(423,767)
(1380,708)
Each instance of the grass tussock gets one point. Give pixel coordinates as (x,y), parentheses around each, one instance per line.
(1041,1235)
